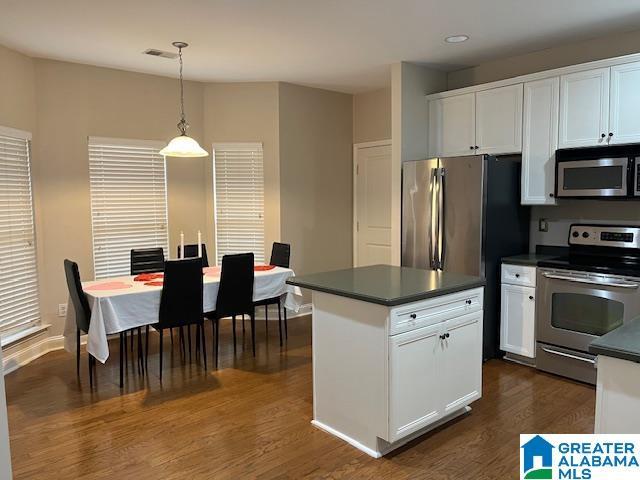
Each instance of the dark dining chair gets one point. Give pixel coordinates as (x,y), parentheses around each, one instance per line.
(147,260)
(181,302)
(280,257)
(235,297)
(191,251)
(82,311)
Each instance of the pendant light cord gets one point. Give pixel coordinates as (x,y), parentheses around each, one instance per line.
(182,125)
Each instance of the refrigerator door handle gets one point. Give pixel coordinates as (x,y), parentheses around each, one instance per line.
(441,219)
(433,246)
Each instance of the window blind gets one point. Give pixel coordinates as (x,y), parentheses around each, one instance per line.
(19,300)
(239,194)
(128,202)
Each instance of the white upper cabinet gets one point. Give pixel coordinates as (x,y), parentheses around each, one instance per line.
(584,108)
(540,141)
(499,120)
(624,125)
(452,130)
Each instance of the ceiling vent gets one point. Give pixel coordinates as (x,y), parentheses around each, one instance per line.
(160,53)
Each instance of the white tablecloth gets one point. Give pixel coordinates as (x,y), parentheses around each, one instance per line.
(114,311)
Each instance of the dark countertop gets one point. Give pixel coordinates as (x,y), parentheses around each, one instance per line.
(387,285)
(623,342)
(529,259)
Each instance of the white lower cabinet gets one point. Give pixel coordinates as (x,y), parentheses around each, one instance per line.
(434,371)
(518,319)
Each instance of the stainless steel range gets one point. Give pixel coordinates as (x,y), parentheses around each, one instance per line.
(593,290)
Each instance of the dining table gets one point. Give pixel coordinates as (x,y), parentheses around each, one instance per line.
(122,303)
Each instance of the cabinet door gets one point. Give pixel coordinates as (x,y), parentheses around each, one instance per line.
(452,126)
(625,104)
(540,141)
(415,383)
(584,108)
(460,369)
(499,120)
(517,320)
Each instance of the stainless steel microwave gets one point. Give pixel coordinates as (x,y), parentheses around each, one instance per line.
(600,172)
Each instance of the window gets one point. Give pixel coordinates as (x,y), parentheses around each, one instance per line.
(19,302)
(128,201)
(239,194)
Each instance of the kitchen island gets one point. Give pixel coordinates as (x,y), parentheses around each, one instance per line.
(397,352)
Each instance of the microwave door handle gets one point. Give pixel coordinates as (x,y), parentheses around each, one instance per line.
(590,282)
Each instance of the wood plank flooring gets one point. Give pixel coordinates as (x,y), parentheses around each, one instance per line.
(250,419)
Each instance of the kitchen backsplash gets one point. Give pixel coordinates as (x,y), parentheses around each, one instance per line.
(561,216)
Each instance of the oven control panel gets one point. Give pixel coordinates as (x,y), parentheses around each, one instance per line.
(605,236)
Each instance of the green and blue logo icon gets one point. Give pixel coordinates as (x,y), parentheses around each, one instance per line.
(537,459)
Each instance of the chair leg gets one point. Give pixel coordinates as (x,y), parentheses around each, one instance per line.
(243,327)
(90,371)
(131,332)
(171,333)
(183,351)
(204,346)
(266,319)
(234,334)
(146,348)
(217,340)
(286,330)
(161,331)
(140,355)
(253,331)
(280,322)
(197,342)
(122,347)
(78,352)
(189,337)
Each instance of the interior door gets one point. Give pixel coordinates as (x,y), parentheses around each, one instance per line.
(415,381)
(373,205)
(462,185)
(417,212)
(584,108)
(499,120)
(452,125)
(625,104)
(461,365)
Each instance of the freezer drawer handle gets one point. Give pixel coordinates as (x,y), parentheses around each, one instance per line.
(590,282)
(568,355)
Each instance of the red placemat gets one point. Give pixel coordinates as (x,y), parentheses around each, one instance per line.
(119,285)
(211,271)
(263,268)
(157,283)
(147,277)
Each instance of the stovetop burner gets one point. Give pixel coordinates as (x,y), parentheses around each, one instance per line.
(605,249)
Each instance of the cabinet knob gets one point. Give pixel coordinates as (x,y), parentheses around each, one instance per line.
(471,147)
(551,195)
(468,302)
(530,297)
(610,134)
(517,275)
(476,147)
(446,335)
(442,337)
(413,316)
(602,136)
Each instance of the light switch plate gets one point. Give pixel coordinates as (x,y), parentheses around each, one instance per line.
(543,225)
(62,310)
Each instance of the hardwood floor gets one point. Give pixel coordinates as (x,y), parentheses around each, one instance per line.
(250,419)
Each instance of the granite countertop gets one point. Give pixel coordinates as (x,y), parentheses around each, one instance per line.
(529,259)
(387,285)
(623,342)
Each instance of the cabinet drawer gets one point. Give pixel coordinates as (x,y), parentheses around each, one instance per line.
(519,275)
(404,318)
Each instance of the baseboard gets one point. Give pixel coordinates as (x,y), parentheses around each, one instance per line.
(29,352)
(354,443)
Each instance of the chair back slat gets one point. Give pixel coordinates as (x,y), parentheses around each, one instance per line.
(147,260)
(191,251)
(78,298)
(181,299)
(235,294)
(280,254)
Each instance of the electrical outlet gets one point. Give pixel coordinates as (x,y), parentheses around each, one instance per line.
(62,310)
(543,225)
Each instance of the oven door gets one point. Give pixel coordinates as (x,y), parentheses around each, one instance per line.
(577,307)
(603,177)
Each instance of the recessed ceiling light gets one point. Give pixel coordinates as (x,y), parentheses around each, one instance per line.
(457,38)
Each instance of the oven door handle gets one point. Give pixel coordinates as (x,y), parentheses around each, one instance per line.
(591,282)
(568,355)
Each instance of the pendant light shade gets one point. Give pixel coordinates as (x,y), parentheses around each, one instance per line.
(183,145)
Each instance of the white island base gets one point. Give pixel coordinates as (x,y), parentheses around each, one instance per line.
(384,375)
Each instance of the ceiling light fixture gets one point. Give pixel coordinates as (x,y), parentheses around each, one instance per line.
(182,145)
(456,38)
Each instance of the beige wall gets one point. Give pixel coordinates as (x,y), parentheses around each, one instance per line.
(372,116)
(77,101)
(316,177)
(561,56)
(246,112)
(17,90)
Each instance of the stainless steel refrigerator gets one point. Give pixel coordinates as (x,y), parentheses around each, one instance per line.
(463,215)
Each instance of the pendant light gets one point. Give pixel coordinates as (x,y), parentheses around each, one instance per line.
(182,145)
